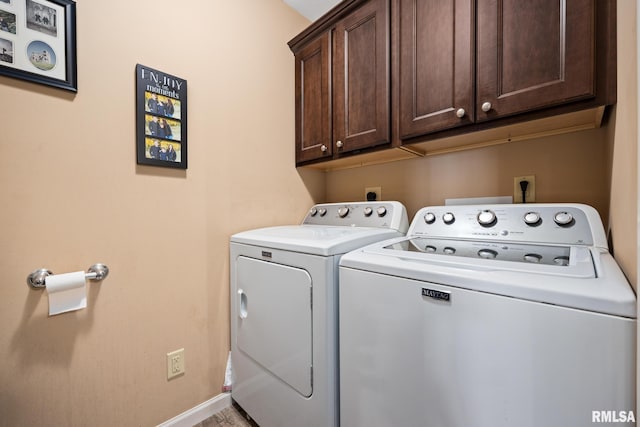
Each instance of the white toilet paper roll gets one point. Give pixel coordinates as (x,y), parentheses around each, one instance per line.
(67,292)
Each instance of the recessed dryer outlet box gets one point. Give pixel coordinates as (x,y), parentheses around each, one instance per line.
(175,363)
(375,190)
(530,193)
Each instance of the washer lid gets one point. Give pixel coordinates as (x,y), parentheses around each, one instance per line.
(314,239)
(557,260)
(591,281)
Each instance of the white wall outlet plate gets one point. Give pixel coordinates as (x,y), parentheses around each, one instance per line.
(175,363)
(376,190)
(530,194)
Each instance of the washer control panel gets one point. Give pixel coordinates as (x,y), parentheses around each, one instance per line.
(360,214)
(541,223)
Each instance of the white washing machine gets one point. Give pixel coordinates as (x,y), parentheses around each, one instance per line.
(284,310)
(504,315)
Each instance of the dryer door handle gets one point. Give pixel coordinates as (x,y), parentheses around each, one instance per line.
(242,309)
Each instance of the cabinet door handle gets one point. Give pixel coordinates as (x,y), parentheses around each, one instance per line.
(323,148)
(460,113)
(486,107)
(339,144)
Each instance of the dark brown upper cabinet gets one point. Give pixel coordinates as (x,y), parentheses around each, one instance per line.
(436,51)
(343,85)
(427,76)
(533,54)
(463,61)
(313,99)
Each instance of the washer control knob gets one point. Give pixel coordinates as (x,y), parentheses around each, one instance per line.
(429,218)
(449,250)
(313,211)
(533,258)
(532,219)
(322,211)
(368,211)
(487,218)
(563,219)
(342,212)
(448,218)
(487,253)
(561,260)
(430,249)
(381,211)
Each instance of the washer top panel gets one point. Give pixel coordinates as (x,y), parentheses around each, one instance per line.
(565,224)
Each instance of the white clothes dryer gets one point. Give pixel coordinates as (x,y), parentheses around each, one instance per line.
(284,310)
(488,316)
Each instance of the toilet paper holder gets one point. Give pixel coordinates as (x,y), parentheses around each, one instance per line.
(37,278)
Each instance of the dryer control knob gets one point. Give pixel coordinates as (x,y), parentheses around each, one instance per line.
(381,211)
(487,218)
(342,212)
(313,211)
(448,218)
(322,211)
(368,211)
(429,218)
(563,219)
(532,218)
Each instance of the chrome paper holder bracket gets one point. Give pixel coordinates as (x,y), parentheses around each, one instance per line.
(38,278)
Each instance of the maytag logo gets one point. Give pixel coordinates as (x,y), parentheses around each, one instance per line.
(266,254)
(432,293)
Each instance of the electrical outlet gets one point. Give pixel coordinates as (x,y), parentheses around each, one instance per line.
(530,194)
(175,363)
(376,190)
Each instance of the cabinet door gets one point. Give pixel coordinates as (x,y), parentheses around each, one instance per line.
(361,93)
(533,54)
(436,65)
(313,100)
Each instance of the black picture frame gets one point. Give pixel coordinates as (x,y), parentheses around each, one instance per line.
(40,36)
(161,118)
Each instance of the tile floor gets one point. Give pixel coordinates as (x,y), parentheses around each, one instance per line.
(228,417)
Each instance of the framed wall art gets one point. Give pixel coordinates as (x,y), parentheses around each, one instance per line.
(161,118)
(38,42)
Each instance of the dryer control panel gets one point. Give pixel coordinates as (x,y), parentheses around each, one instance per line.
(572,224)
(392,215)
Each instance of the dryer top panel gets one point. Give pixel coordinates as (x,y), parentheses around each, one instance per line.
(333,228)
(390,215)
(324,240)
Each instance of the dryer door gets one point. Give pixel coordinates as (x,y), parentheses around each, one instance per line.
(274,319)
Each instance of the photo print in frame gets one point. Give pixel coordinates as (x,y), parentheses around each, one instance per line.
(161,118)
(38,42)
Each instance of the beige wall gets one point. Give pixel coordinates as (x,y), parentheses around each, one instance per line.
(568,168)
(72,195)
(623,153)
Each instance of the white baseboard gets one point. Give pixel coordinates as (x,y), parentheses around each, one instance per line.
(199,413)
